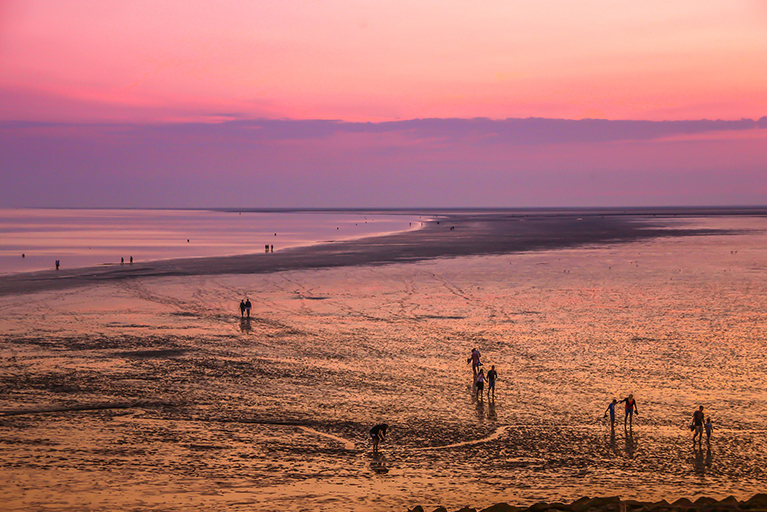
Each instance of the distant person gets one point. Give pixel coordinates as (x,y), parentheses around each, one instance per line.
(247,307)
(267,248)
(480,383)
(122,261)
(23,255)
(709,428)
(611,409)
(492,376)
(131,260)
(697,425)
(57,264)
(377,434)
(242,308)
(271,248)
(474,360)
(631,408)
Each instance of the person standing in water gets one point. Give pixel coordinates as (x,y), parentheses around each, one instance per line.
(474,360)
(480,383)
(247,307)
(377,434)
(611,410)
(631,408)
(709,428)
(697,425)
(492,376)
(242,308)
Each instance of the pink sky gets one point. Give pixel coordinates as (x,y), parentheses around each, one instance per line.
(382,60)
(145,94)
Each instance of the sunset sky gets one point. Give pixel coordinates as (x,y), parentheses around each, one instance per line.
(308,103)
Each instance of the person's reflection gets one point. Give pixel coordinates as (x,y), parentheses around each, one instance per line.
(491,414)
(378,463)
(631,444)
(245,324)
(699,464)
(480,410)
(611,442)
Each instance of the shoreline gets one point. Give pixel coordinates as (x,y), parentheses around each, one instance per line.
(449,235)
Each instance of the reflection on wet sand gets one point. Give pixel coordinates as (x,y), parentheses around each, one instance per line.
(277,416)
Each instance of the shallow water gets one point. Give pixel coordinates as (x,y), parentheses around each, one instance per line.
(83,238)
(194,408)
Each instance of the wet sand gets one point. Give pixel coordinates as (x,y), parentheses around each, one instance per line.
(153,394)
(450,235)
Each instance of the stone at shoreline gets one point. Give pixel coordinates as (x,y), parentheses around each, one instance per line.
(757,503)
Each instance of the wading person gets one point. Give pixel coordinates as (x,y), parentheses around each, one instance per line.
(611,409)
(631,408)
(474,360)
(242,308)
(377,434)
(247,307)
(480,383)
(492,376)
(697,425)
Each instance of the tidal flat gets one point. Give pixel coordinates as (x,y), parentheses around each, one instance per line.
(150,391)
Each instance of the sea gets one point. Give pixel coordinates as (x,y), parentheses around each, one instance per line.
(154,394)
(33,239)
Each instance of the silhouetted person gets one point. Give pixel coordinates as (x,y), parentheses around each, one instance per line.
(479,383)
(131,260)
(377,434)
(266,248)
(474,360)
(611,410)
(492,376)
(242,308)
(697,424)
(122,261)
(57,264)
(631,408)
(709,428)
(247,307)
(271,248)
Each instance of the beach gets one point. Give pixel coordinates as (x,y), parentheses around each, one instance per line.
(140,387)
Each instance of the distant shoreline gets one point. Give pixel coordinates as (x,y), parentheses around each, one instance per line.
(452,233)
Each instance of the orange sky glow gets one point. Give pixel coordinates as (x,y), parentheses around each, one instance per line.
(148,61)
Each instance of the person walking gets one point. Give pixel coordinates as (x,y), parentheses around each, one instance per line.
(492,376)
(631,408)
(474,360)
(697,425)
(242,308)
(611,409)
(709,428)
(247,307)
(479,383)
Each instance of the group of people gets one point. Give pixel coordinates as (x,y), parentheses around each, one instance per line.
(245,308)
(479,375)
(697,425)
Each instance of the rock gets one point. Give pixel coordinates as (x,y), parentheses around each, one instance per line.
(501,507)
(467,509)
(417,508)
(542,507)
(757,501)
(729,502)
(604,503)
(682,504)
(704,503)
(579,505)
(440,509)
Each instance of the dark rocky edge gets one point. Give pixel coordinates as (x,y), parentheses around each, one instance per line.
(756,503)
